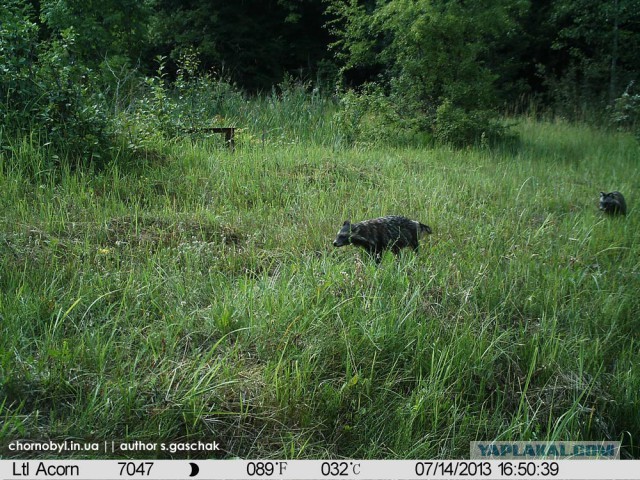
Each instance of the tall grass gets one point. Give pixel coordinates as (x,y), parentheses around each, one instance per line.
(197,296)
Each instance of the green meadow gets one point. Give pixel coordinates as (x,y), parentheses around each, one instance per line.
(196,295)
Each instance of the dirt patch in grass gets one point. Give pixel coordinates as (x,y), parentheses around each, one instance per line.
(163,232)
(330,173)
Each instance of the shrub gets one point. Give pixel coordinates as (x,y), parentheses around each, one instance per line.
(72,111)
(163,111)
(458,127)
(370,117)
(433,61)
(46,92)
(625,112)
(18,64)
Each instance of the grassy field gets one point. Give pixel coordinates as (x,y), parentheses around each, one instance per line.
(198,297)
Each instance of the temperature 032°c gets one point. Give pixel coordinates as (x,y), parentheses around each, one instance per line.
(340,469)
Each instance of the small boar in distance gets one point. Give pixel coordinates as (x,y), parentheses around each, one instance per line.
(393,233)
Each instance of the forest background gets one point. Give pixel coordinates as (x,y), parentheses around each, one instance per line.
(76,71)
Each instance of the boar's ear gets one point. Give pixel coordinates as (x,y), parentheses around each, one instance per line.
(602,194)
(346,222)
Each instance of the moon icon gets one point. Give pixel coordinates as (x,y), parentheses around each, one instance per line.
(195,469)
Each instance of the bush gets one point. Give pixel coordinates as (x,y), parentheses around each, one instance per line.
(18,64)
(72,111)
(458,127)
(204,99)
(370,117)
(163,111)
(625,112)
(433,59)
(46,92)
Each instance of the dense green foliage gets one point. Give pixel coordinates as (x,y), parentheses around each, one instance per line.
(254,41)
(599,40)
(447,65)
(107,28)
(434,55)
(74,72)
(45,91)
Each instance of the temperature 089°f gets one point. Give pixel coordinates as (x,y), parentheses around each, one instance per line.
(265,469)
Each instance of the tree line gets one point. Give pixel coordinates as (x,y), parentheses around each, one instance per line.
(443,66)
(565,50)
